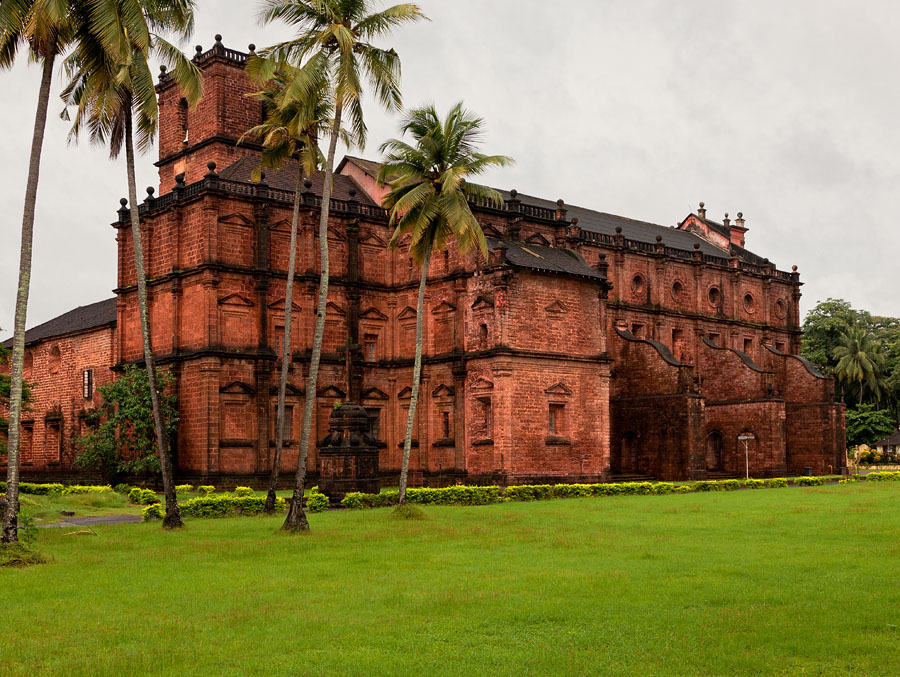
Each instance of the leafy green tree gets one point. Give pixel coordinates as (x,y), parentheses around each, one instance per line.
(112,90)
(43,29)
(290,129)
(860,364)
(332,50)
(429,201)
(823,327)
(123,436)
(867,424)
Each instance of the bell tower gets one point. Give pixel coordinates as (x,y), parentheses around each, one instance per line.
(189,139)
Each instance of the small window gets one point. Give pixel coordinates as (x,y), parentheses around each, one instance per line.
(748,345)
(374,416)
(637,329)
(749,303)
(370,343)
(278,339)
(183,119)
(55,360)
(445,420)
(483,334)
(779,346)
(288,428)
(25,443)
(677,290)
(27,363)
(715,297)
(555,419)
(87,384)
(485,426)
(446,261)
(412,270)
(638,284)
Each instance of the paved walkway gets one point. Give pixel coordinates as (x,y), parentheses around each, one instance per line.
(91,521)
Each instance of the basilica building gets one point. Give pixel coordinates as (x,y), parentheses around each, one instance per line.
(584,347)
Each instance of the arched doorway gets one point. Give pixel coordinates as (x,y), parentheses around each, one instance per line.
(714,451)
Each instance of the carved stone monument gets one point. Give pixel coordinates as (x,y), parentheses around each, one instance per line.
(348,456)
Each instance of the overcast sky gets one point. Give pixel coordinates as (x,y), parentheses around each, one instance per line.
(786,111)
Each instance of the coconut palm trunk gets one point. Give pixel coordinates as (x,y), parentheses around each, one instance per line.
(285,349)
(296,517)
(172,519)
(417,373)
(10,533)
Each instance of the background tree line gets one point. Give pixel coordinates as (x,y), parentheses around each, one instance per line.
(862,352)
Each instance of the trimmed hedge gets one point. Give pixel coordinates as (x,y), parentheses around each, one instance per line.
(81,489)
(142,496)
(153,511)
(884,476)
(206,489)
(464,495)
(226,505)
(317,501)
(181,489)
(244,491)
(810,481)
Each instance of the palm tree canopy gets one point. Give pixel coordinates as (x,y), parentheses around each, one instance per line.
(291,126)
(45,26)
(859,361)
(430,191)
(333,44)
(109,69)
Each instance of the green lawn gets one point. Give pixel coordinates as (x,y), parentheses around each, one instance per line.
(799,580)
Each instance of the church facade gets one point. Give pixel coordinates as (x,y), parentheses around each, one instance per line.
(584,347)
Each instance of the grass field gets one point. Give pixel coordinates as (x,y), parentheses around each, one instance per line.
(798,580)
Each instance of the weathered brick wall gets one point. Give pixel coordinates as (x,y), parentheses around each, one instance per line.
(55,417)
(727,375)
(765,420)
(816,438)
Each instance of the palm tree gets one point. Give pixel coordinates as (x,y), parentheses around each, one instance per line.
(110,87)
(860,363)
(333,45)
(44,28)
(291,128)
(429,200)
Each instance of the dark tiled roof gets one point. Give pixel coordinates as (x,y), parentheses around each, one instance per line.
(893,440)
(84,317)
(370,167)
(547,259)
(640,231)
(601,222)
(286,179)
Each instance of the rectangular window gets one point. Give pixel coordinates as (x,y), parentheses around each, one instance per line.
(25,443)
(446,421)
(637,329)
(715,338)
(278,339)
(748,345)
(87,384)
(779,346)
(370,343)
(288,427)
(555,419)
(488,417)
(374,416)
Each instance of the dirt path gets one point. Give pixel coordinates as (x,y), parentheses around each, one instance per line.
(91,521)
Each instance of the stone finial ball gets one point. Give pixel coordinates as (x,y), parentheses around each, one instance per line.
(513,193)
(740,215)
(307,184)
(218,37)
(659,238)
(559,202)
(702,205)
(252,47)
(162,68)
(262,175)
(618,230)
(575,221)
(352,192)
(794,268)
(696,245)
(211,166)
(123,201)
(150,190)
(198,49)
